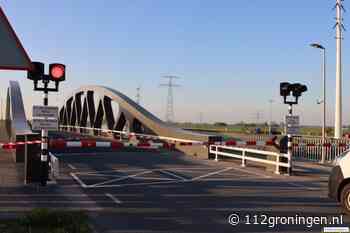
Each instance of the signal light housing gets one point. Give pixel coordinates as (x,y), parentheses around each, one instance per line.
(38,71)
(285,89)
(57,72)
(298,89)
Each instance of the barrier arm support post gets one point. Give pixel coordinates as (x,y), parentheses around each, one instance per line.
(243,158)
(290,165)
(216,153)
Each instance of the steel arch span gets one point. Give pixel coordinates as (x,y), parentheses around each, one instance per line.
(103,107)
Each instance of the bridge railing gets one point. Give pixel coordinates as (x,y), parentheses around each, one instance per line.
(278,160)
(103,132)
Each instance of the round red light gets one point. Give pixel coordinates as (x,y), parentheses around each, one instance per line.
(57,71)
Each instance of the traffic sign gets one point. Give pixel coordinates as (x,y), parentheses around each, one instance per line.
(48,124)
(293,130)
(13,56)
(45,112)
(292,120)
(292,124)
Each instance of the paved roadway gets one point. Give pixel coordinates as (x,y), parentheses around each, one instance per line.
(127,191)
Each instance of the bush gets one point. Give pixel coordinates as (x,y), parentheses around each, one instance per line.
(221,124)
(48,221)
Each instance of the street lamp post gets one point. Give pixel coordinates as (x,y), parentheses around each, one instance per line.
(270,123)
(323,49)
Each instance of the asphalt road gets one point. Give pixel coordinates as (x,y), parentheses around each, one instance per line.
(126,191)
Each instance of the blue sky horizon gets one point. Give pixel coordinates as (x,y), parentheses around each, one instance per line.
(230,55)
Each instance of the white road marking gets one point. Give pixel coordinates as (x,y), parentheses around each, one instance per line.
(108,171)
(211,174)
(119,176)
(153,178)
(116,200)
(71,166)
(173,175)
(137,184)
(83,185)
(162,180)
(119,179)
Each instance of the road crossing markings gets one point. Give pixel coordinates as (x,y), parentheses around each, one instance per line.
(212,173)
(172,172)
(78,180)
(116,200)
(120,179)
(137,184)
(173,175)
(71,166)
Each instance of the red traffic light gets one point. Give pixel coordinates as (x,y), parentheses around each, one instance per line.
(57,72)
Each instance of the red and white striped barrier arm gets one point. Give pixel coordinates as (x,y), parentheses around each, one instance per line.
(13,145)
(62,144)
(247,143)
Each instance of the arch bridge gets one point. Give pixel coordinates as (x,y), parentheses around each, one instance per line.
(100,107)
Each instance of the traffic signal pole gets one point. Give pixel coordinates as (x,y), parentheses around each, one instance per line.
(285,90)
(290,142)
(44,144)
(57,74)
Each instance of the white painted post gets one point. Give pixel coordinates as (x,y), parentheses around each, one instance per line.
(216,153)
(290,165)
(243,158)
(278,164)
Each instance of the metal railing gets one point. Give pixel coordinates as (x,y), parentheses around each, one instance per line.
(311,149)
(100,132)
(259,156)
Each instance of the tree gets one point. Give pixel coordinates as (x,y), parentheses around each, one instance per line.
(221,124)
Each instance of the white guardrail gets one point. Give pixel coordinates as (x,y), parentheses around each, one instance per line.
(245,154)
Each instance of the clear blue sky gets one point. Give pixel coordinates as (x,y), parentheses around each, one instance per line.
(231,54)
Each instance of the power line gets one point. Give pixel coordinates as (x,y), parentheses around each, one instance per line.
(138,95)
(201,117)
(169,116)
